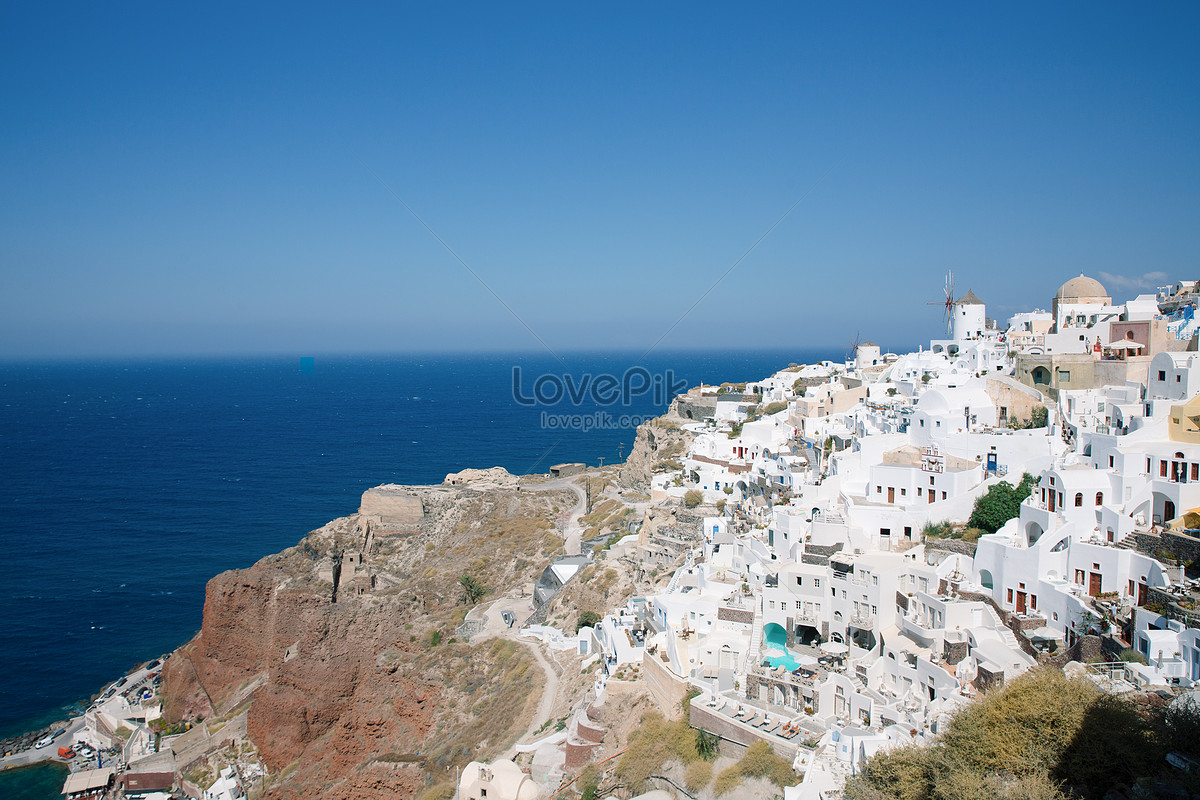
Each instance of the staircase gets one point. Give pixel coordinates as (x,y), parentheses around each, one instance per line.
(1006,635)
(755,636)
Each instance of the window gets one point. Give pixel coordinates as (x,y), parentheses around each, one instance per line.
(1196,472)
(798,605)
(771,604)
(1064,375)
(931,480)
(1010,595)
(878,489)
(1079,577)
(1147,466)
(1110,462)
(1162,374)
(904,492)
(943,495)
(816,583)
(799,581)
(1177,379)
(1099,498)
(1060,502)
(1130,592)
(1079,499)
(1033,601)
(1162,469)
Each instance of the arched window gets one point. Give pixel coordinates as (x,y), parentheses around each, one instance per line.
(1079,499)
(1099,498)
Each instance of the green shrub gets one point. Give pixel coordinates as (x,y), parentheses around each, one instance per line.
(773,408)
(999,504)
(1129,655)
(586,619)
(693,498)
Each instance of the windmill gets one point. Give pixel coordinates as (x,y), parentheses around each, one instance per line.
(854,343)
(948,303)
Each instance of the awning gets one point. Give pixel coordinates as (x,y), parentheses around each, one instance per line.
(87,780)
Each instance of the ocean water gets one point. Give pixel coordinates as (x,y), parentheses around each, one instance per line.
(126,485)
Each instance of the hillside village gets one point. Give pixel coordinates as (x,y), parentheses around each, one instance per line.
(834,601)
(831,561)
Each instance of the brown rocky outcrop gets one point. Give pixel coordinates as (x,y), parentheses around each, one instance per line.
(343,686)
(656,442)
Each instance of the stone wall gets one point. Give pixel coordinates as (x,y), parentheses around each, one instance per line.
(951,546)
(391,505)
(667,689)
(730,731)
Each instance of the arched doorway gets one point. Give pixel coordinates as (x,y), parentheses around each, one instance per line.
(1041,376)
(985,579)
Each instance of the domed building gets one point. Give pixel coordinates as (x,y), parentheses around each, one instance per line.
(1079,302)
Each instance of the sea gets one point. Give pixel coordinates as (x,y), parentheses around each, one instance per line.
(126,484)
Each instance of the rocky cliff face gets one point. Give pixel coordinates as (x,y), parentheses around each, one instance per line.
(334,644)
(657,442)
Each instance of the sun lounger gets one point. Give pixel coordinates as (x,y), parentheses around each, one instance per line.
(774,726)
(753,720)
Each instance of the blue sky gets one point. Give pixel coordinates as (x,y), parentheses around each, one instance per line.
(201,178)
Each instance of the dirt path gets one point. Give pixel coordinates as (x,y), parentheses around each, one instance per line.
(573,535)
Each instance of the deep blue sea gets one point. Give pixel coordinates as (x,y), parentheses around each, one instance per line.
(126,485)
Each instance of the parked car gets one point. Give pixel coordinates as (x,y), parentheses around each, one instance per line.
(45,741)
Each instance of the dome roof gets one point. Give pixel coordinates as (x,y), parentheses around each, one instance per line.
(1083,286)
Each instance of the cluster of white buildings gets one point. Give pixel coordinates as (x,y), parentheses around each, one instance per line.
(818,614)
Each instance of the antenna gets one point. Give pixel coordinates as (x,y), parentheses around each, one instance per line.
(948,303)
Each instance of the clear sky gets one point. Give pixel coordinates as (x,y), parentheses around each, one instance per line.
(183,178)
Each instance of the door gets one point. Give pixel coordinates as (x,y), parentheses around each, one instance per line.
(1094,584)
(931,496)
(1021,602)
(1052,502)
(1168,510)
(891,494)
(1141,594)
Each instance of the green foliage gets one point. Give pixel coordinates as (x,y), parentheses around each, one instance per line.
(937,530)
(588,781)
(761,761)
(435,638)
(472,590)
(1041,736)
(653,744)
(721,506)
(773,408)
(1038,417)
(693,498)
(798,387)
(999,504)
(1129,655)
(685,704)
(735,430)
(707,745)
(586,619)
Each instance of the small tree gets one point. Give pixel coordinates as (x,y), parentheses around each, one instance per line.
(693,498)
(1001,503)
(472,590)
(586,619)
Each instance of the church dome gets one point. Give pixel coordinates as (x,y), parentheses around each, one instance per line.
(1080,287)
